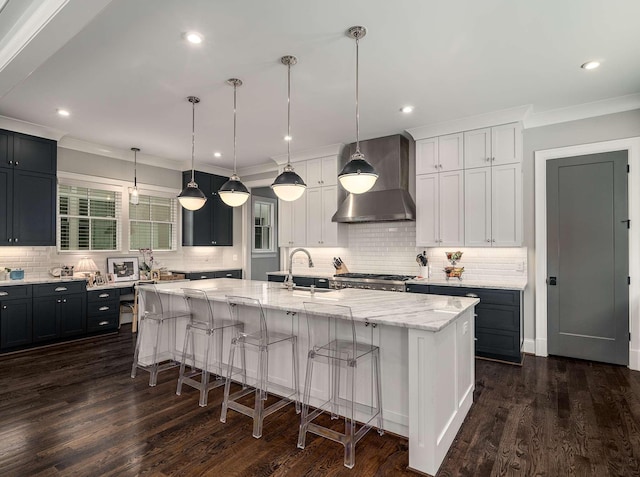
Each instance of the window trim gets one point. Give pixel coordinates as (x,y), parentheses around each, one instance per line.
(175,223)
(274,239)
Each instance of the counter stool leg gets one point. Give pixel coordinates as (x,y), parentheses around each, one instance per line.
(302,434)
(350,423)
(376,364)
(227,384)
(185,350)
(258,413)
(153,378)
(334,372)
(204,381)
(296,372)
(136,353)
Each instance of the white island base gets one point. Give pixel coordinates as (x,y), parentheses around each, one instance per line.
(426,353)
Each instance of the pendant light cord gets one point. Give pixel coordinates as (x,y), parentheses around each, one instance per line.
(235,88)
(193,138)
(357,96)
(289,113)
(135,169)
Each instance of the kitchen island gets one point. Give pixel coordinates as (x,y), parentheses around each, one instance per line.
(426,352)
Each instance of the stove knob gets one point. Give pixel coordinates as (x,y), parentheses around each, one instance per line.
(367,287)
(385,289)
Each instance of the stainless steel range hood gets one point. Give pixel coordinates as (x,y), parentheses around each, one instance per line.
(389,199)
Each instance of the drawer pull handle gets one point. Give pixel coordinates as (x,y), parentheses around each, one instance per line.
(4,294)
(103,308)
(103,295)
(322,280)
(203,276)
(471,295)
(229,275)
(102,323)
(60,289)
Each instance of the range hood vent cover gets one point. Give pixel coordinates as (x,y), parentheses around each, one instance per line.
(389,199)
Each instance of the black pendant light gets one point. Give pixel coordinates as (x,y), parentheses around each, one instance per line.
(357,176)
(233,192)
(135,198)
(192,198)
(288,186)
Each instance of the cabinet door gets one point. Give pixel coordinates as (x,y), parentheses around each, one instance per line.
(506,205)
(450,152)
(46,318)
(222,219)
(15,323)
(314,172)
(427,210)
(330,171)
(451,192)
(6,206)
(329,205)
(506,144)
(34,154)
(6,149)
(196,224)
(299,220)
(427,156)
(34,208)
(314,216)
(477,148)
(73,315)
(477,207)
(285,223)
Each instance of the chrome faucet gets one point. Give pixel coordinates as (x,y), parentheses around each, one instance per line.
(289,281)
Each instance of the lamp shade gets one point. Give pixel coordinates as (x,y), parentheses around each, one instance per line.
(233,192)
(86,265)
(357,175)
(192,198)
(288,186)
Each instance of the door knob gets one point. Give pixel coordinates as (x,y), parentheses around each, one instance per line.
(552,281)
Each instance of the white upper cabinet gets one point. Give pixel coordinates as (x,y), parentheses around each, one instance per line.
(321,205)
(493,146)
(506,205)
(440,209)
(322,171)
(440,154)
(477,207)
(292,225)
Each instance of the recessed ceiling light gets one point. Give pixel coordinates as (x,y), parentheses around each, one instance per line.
(590,65)
(63,112)
(407,109)
(217,154)
(193,37)
(288,138)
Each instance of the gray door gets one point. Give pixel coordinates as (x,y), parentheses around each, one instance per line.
(265,254)
(588,257)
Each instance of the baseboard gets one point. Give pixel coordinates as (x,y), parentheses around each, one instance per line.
(634,359)
(529,346)
(541,347)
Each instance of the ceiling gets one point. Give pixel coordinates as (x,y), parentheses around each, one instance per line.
(124,70)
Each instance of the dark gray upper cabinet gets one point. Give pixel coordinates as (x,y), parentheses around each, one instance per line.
(27,189)
(212,225)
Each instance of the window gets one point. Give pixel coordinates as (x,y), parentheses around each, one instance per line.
(263,218)
(152,223)
(88,219)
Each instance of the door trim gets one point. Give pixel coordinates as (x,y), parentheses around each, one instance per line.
(632,146)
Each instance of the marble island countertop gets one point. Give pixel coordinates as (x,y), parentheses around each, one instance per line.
(409,310)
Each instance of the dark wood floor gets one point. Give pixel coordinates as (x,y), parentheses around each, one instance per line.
(74,410)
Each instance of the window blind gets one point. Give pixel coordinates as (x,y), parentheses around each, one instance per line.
(152,223)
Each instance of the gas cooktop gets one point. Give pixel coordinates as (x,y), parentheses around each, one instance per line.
(374,276)
(370,281)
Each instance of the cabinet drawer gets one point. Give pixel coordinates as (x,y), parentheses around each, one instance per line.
(415,288)
(498,344)
(229,274)
(486,295)
(322,283)
(16,291)
(103,308)
(100,323)
(103,295)
(48,289)
(276,278)
(201,275)
(498,317)
(304,281)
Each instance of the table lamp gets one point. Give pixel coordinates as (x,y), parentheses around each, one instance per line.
(87,266)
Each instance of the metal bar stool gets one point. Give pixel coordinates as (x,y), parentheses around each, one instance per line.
(332,340)
(260,340)
(203,322)
(151,325)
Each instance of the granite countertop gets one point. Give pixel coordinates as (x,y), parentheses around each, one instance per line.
(34,281)
(408,310)
(495,283)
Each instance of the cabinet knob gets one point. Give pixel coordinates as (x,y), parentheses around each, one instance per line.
(488,159)
(4,307)
(488,240)
(493,240)
(15,240)
(64,301)
(10,240)
(11,163)
(17,163)
(493,159)
(435,166)
(59,301)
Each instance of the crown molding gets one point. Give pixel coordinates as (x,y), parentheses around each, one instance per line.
(583,111)
(315,153)
(259,169)
(494,118)
(25,127)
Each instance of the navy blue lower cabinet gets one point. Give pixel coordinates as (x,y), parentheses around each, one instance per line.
(15,323)
(498,321)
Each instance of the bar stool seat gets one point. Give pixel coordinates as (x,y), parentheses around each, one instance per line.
(332,341)
(261,341)
(203,322)
(151,324)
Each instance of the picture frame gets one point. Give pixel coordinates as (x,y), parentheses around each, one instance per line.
(101,280)
(155,275)
(110,278)
(124,269)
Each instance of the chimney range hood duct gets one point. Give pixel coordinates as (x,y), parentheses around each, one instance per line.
(389,199)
